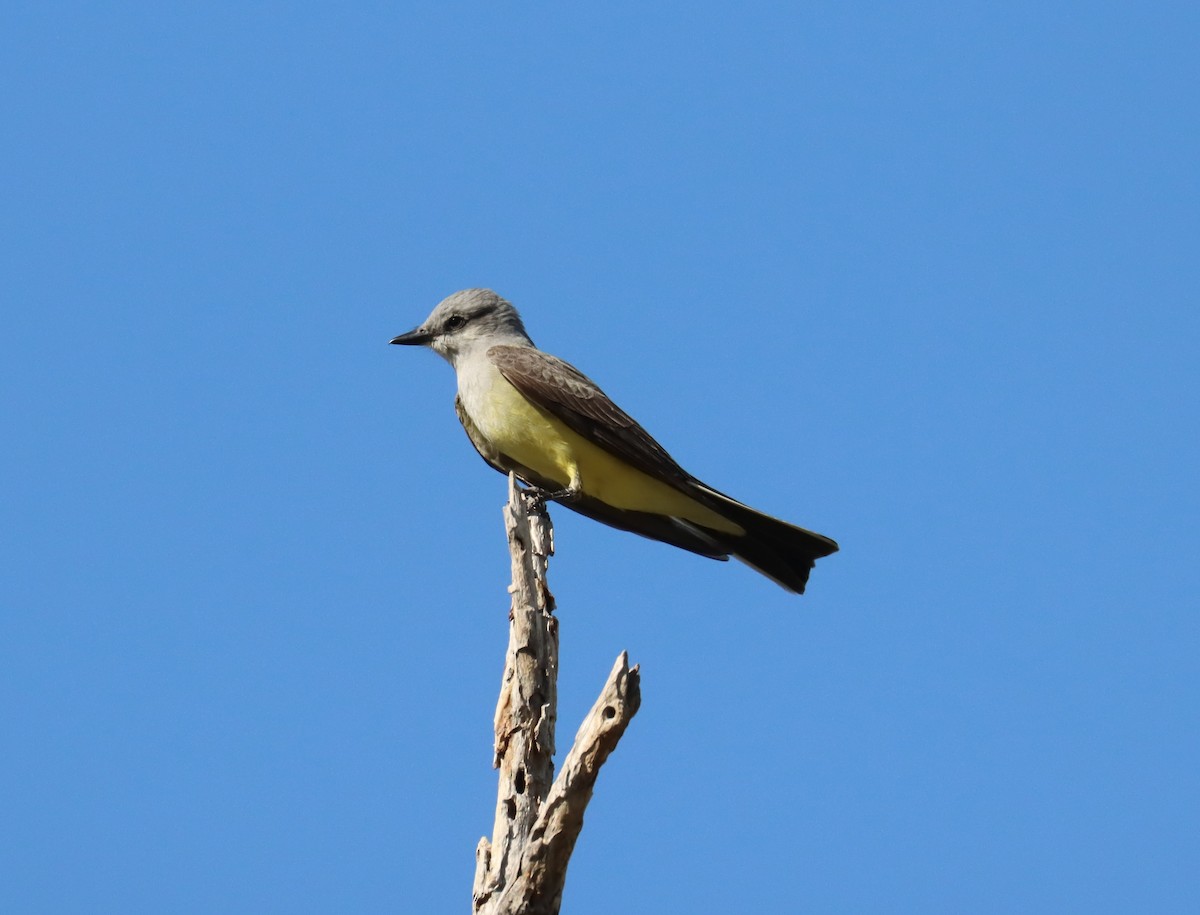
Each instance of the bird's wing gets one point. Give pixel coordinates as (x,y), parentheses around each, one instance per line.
(656,527)
(567,394)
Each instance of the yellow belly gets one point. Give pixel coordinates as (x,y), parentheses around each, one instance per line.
(549,447)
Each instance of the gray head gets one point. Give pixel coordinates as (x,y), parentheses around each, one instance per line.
(468,318)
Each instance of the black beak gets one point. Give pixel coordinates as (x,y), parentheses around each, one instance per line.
(415,337)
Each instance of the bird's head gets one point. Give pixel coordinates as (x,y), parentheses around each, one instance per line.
(467,319)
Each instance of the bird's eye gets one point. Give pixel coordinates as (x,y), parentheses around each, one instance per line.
(454,322)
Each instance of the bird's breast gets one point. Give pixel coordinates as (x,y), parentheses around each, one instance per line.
(512,425)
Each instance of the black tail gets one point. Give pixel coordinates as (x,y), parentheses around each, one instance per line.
(781,551)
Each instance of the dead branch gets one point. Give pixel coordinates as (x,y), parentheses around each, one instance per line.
(522,870)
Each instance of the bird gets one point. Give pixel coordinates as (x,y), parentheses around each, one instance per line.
(535,415)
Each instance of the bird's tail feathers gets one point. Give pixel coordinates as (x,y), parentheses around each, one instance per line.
(781,551)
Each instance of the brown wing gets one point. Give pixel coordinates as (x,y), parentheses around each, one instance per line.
(567,394)
(781,551)
(656,527)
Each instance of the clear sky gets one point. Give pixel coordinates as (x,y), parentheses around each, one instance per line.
(922,277)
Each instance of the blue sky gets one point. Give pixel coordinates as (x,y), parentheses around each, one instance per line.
(922,277)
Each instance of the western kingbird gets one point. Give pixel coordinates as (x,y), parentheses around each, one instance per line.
(531,413)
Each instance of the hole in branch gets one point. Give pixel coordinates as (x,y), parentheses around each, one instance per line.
(610,712)
(519,781)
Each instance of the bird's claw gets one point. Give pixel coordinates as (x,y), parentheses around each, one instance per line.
(541,496)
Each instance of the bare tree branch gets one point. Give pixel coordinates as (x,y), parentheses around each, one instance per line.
(522,870)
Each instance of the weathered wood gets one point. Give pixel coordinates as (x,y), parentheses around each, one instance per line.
(539,887)
(522,870)
(525,712)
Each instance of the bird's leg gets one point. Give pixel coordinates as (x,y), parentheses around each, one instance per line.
(557,495)
(572,492)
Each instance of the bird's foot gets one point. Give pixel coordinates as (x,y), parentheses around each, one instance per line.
(542,496)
